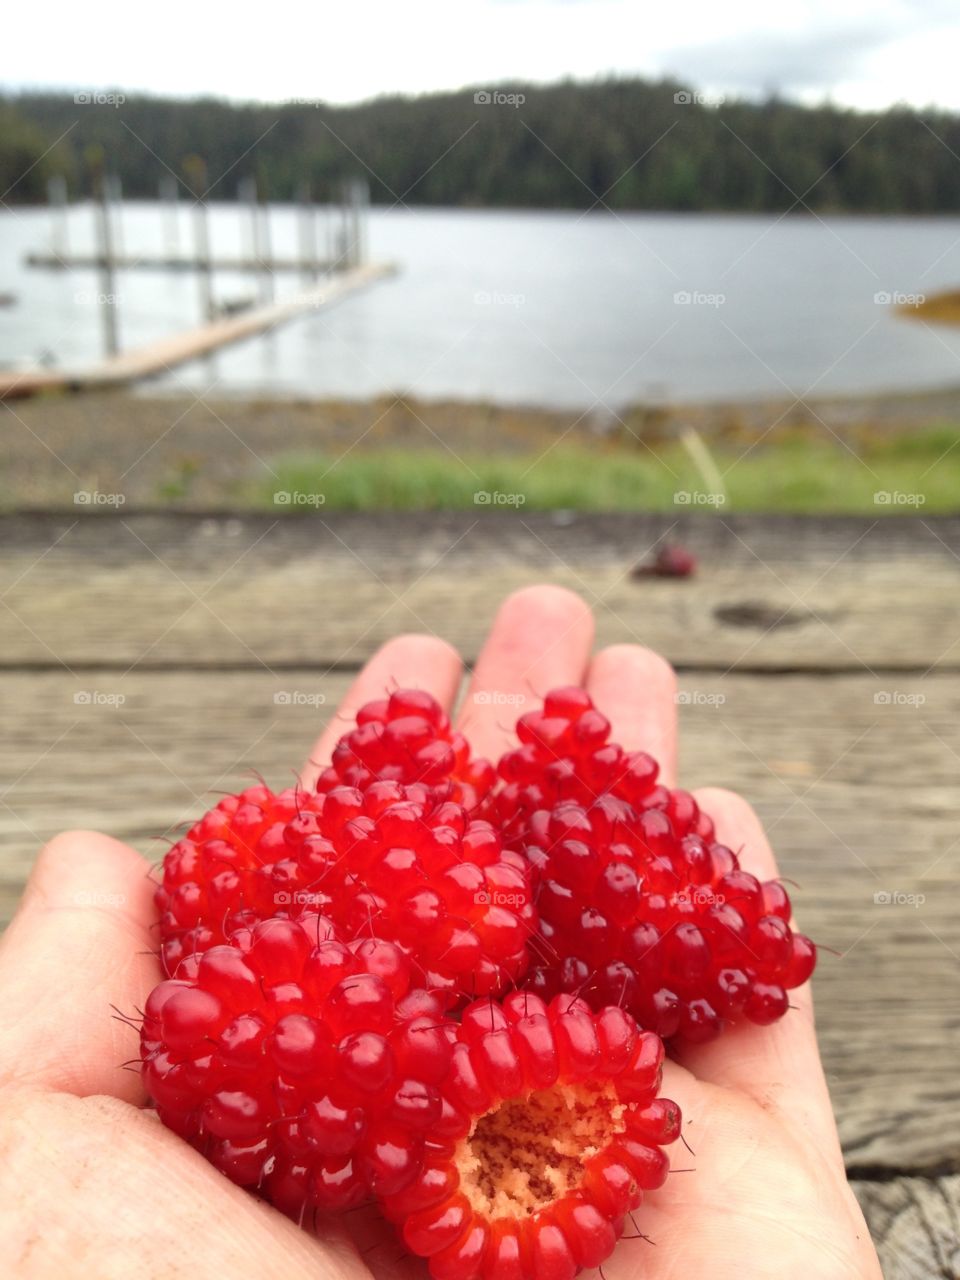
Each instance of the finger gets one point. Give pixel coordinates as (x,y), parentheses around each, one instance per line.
(405,662)
(80,943)
(779,1065)
(540,640)
(636,690)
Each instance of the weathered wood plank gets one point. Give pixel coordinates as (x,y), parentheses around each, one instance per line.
(915,1224)
(860,798)
(323,592)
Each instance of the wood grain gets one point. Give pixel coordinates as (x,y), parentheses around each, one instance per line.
(324,592)
(859,798)
(915,1223)
(141,659)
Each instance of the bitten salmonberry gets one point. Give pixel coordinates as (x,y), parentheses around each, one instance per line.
(551,1132)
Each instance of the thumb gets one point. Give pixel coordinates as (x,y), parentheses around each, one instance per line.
(80,943)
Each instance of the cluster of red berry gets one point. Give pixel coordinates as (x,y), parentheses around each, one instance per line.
(446,987)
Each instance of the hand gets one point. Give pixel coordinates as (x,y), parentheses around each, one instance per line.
(92,1185)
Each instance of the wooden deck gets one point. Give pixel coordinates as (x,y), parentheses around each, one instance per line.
(166,353)
(834,644)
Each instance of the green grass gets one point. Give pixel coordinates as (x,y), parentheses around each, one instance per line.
(795,475)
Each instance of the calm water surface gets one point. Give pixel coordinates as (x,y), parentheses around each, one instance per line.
(551,308)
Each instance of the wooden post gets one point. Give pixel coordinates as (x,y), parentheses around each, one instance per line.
(169,190)
(348,245)
(342,261)
(320,227)
(196,173)
(308,234)
(59,215)
(330,237)
(264,251)
(359,196)
(105,259)
(115,192)
(355,194)
(247,198)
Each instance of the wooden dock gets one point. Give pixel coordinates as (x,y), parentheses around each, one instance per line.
(167,353)
(170,262)
(822,636)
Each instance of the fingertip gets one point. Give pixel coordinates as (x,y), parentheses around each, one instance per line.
(540,639)
(417,660)
(71,845)
(414,652)
(636,689)
(65,843)
(551,607)
(731,802)
(657,670)
(79,867)
(544,594)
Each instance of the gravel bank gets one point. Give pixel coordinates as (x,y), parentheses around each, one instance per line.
(212,453)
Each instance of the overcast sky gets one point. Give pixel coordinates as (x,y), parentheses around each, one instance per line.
(864,53)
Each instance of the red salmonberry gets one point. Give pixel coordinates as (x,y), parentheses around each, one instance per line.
(407,738)
(391,862)
(551,1131)
(666,925)
(565,754)
(300,1066)
(673,561)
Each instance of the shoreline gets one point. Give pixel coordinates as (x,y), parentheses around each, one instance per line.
(178,452)
(906,402)
(897,408)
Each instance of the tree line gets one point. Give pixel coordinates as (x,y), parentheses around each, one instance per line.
(623,143)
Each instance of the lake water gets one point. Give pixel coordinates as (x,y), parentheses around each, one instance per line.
(559,308)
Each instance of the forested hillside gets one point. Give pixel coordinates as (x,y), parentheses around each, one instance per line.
(630,142)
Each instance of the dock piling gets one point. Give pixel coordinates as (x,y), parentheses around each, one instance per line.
(169,193)
(103,230)
(324,280)
(115,191)
(307,228)
(247,200)
(263,252)
(59,215)
(196,171)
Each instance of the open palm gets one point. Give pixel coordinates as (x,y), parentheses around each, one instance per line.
(92,1185)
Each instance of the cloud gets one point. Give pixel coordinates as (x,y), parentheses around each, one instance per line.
(810,49)
(789,63)
(824,48)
